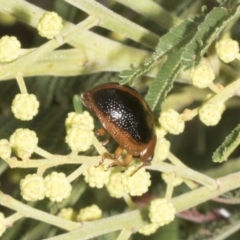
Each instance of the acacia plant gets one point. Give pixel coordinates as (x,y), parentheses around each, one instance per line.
(182,56)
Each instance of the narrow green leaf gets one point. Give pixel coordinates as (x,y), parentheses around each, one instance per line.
(163,82)
(173,40)
(77,104)
(228,146)
(208,30)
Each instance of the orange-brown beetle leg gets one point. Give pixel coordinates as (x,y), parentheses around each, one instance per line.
(117,154)
(105,155)
(105,142)
(127,159)
(102,132)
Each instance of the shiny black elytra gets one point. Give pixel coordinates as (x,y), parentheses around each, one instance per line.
(126,116)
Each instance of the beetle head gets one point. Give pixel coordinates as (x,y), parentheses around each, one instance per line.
(147,154)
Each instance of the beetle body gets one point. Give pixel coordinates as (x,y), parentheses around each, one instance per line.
(126,116)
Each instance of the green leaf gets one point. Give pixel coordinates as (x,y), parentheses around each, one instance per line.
(163,82)
(125,73)
(207,32)
(173,40)
(77,103)
(228,146)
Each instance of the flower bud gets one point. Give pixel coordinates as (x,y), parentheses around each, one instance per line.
(136,183)
(227,49)
(57,187)
(25,106)
(9,49)
(161,211)
(97,176)
(172,121)
(211,113)
(89,213)
(202,76)
(23,142)
(50,25)
(79,139)
(32,187)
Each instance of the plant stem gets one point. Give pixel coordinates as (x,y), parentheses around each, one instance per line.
(27,60)
(100,149)
(97,54)
(228,232)
(21,83)
(185,172)
(9,221)
(153,11)
(125,234)
(231,201)
(228,92)
(214,88)
(177,162)
(98,57)
(116,23)
(43,153)
(134,219)
(77,172)
(129,201)
(169,192)
(92,229)
(27,211)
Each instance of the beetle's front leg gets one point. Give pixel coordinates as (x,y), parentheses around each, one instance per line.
(102,132)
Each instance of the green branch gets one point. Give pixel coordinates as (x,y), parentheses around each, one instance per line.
(27,60)
(27,211)
(117,23)
(153,11)
(135,219)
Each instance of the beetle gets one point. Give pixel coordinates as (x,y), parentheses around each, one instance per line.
(126,116)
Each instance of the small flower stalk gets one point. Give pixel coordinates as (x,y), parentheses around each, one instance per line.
(2,224)
(9,49)
(50,25)
(25,106)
